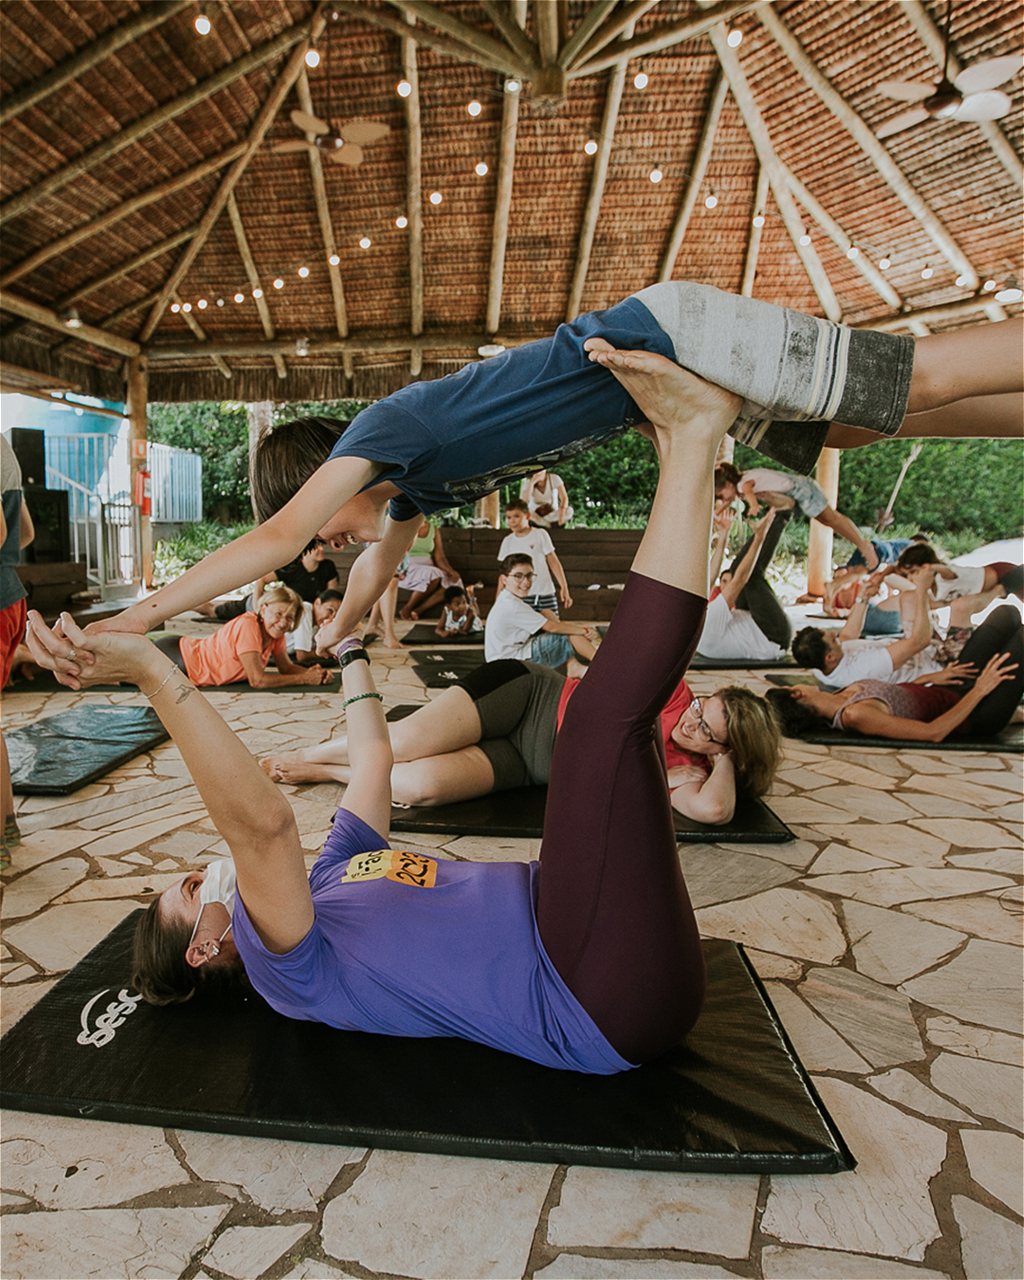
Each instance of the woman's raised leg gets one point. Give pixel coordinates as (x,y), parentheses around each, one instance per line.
(982,417)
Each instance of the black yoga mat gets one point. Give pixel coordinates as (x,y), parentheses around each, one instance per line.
(700,663)
(1011,739)
(439,670)
(521,813)
(45,682)
(787,679)
(55,756)
(734,1098)
(423,633)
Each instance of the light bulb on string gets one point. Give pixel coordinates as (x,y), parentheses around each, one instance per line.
(278,283)
(239,297)
(202,304)
(805,239)
(436,197)
(711,201)
(303,272)
(590,147)
(220,302)
(656,175)
(735,38)
(989,285)
(481,170)
(853,252)
(257,293)
(403,88)
(758,219)
(401,222)
(641,80)
(927,272)
(186,307)
(334,260)
(365,242)
(885,263)
(312,58)
(175,307)
(202,24)
(474,108)
(512,85)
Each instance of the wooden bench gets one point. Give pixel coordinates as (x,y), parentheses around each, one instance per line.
(52,589)
(595,560)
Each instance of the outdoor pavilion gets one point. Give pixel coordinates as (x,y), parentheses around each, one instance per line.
(150,177)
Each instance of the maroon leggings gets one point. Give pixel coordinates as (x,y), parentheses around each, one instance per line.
(613,909)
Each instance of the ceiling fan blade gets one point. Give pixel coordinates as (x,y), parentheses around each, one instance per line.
(363,132)
(992,105)
(905,90)
(291,144)
(988,74)
(309,124)
(905,120)
(349,154)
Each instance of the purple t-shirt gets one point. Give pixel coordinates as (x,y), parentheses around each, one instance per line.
(450,441)
(407,945)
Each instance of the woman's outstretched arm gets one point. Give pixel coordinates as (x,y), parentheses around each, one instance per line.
(368,794)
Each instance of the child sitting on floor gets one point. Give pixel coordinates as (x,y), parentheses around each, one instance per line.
(460,614)
(514,630)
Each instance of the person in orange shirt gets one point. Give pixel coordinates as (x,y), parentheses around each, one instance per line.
(241,649)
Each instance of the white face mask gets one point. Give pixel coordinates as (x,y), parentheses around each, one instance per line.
(218,886)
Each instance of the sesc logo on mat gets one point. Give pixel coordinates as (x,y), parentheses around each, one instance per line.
(108,1021)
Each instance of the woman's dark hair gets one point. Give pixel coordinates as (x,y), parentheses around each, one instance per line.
(919,553)
(160,972)
(797,718)
(809,648)
(329,593)
(286,457)
(726,473)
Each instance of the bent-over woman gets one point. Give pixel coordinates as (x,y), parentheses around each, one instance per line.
(588,959)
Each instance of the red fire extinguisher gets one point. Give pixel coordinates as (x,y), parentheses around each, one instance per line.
(143,496)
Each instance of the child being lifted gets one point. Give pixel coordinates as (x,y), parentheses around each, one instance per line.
(435,445)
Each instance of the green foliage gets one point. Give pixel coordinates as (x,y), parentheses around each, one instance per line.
(610,486)
(172,556)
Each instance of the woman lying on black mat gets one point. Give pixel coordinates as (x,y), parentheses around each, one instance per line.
(588,960)
(495,730)
(932,708)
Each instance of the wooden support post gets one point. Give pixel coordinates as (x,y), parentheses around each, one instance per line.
(489,508)
(819,542)
(137,400)
(260,417)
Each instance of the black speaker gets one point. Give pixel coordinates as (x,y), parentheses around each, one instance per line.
(49,511)
(30,449)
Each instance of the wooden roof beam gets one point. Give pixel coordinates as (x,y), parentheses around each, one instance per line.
(545,22)
(663,37)
(219,363)
(623,20)
(114,318)
(262,123)
(754,235)
(770,162)
(151,15)
(931,315)
(414,193)
(588,24)
(323,214)
(242,240)
(49,319)
(500,15)
(154,119)
(505,64)
(106,220)
(868,143)
(861,262)
(697,170)
(98,410)
(445,342)
(503,194)
(918,17)
(471,37)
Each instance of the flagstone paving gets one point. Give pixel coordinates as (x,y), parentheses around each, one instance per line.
(888,933)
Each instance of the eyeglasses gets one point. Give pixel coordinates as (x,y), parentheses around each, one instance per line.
(521,577)
(697,707)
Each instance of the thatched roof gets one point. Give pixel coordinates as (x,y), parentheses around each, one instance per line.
(139,175)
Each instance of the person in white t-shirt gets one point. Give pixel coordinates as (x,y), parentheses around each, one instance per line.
(300,642)
(744,619)
(838,658)
(783,491)
(547,500)
(515,630)
(537,544)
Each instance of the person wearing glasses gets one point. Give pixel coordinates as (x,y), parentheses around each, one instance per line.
(516,630)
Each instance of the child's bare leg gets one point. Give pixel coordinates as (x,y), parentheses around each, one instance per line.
(986,417)
(582,647)
(961,611)
(845,527)
(980,361)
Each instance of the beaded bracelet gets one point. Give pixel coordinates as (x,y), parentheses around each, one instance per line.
(358,697)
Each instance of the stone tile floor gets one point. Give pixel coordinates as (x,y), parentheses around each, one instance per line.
(889,934)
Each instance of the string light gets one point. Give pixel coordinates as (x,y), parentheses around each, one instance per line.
(186,307)
(711,201)
(512,85)
(312,58)
(853,252)
(885,263)
(735,38)
(365,242)
(927,273)
(257,293)
(481,170)
(278,283)
(805,239)
(436,197)
(175,307)
(758,219)
(989,285)
(220,302)
(590,147)
(303,272)
(641,80)
(202,24)
(403,88)
(202,304)
(334,260)
(401,222)
(656,174)
(474,108)
(239,297)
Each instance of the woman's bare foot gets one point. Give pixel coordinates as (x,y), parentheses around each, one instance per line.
(392,642)
(666,393)
(294,769)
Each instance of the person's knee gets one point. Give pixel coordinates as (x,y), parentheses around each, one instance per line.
(416,783)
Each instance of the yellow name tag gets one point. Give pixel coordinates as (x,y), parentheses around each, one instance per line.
(398,865)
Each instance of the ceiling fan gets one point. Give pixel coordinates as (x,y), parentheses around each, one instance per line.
(342,142)
(971,96)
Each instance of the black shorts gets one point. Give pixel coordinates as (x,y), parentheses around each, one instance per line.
(517,703)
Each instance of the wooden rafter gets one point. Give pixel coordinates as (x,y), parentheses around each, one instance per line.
(500,15)
(769,161)
(154,119)
(695,178)
(545,23)
(506,64)
(374,343)
(755,233)
(113,319)
(323,215)
(49,319)
(106,220)
(663,37)
(588,24)
(869,144)
(151,15)
(472,37)
(503,194)
(918,17)
(219,363)
(932,315)
(262,123)
(622,20)
(414,194)
(259,294)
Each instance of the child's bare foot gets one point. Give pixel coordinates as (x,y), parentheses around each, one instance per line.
(667,394)
(392,642)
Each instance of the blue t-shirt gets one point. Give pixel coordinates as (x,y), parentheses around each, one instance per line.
(448,442)
(406,945)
